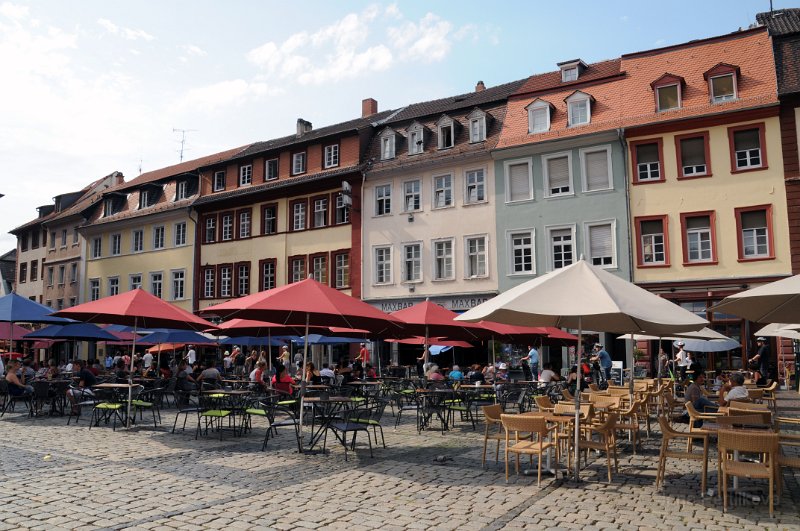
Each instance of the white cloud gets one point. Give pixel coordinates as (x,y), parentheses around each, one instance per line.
(223,94)
(191,49)
(467,31)
(426,41)
(126,33)
(393,11)
(13,11)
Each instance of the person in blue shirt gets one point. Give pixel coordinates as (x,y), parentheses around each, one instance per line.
(602,357)
(533,360)
(456,374)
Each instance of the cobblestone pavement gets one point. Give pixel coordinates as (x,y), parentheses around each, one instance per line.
(56,476)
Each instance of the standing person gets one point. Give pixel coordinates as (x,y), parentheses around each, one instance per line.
(238,361)
(761,360)
(363,354)
(533,360)
(603,358)
(191,356)
(681,360)
(109,361)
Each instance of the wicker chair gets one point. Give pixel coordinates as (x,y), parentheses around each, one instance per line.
(670,435)
(763,445)
(523,427)
(492,431)
(543,403)
(606,442)
(769,397)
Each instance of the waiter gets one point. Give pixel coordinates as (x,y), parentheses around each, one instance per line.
(761,359)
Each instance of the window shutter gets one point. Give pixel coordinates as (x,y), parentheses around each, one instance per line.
(600,241)
(652,227)
(519,182)
(746,140)
(647,153)
(693,152)
(597,170)
(700,222)
(558,172)
(756,219)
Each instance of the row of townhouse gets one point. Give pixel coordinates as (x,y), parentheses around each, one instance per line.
(668,167)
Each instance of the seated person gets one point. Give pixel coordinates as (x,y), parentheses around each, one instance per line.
(475,373)
(369,372)
(327,372)
(312,375)
(52,371)
(548,375)
(456,375)
(185,380)
(258,376)
(16,387)
(121,373)
(733,390)
(152,370)
(694,394)
(27,373)
(502,373)
(572,380)
(434,374)
(720,380)
(85,382)
(282,382)
(210,376)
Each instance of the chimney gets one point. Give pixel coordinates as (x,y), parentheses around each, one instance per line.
(303,127)
(369,107)
(480,87)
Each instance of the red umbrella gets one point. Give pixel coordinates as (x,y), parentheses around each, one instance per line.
(557,333)
(418,340)
(139,309)
(12,355)
(7,329)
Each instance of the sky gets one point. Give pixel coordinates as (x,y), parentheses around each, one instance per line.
(96,86)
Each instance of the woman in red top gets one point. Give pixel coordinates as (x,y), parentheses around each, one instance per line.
(282,381)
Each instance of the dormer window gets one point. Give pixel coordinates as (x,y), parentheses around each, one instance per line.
(299,163)
(668,90)
(245,174)
(144,198)
(477,126)
(539,116)
(416,139)
(446,132)
(388,144)
(579,108)
(181,190)
(219,181)
(571,70)
(108,207)
(722,82)
(569,74)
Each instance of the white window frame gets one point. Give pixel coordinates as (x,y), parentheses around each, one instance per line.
(94,289)
(748,152)
(435,259)
(226,227)
(479,254)
(477,184)
(417,263)
(546,174)
(510,234)
(137,236)
(267,172)
(209,283)
(298,273)
(342,213)
(680,96)
(538,106)
(574,100)
(507,175)
(179,235)
(226,281)
(587,243)
(218,183)
(584,180)
(144,198)
(387,260)
(415,194)
(270,220)
(73,273)
(648,165)
(693,170)
(62,274)
(416,139)
(97,247)
(383,201)
(299,215)
(245,224)
(320,274)
(567,74)
(116,244)
(341,268)
(157,279)
(173,282)
(133,285)
(181,190)
(298,163)
(441,126)
(320,212)
(245,175)
(688,232)
(331,156)
(159,243)
(51,272)
(388,145)
(477,126)
(548,231)
(113,286)
(755,236)
(443,190)
(269,279)
(242,279)
(653,244)
(722,99)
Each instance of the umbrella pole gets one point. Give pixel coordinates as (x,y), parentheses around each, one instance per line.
(269,349)
(303,382)
(578,353)
(130,373)
(630,360)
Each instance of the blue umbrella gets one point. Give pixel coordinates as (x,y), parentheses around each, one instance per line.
(167,335)
(17,309)
(438,349)
(252,341)
(77,331)
(317,339)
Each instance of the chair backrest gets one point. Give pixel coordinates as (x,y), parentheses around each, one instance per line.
(586,410)
(41,389)
(608,425)
(567,394)
(747,442)
(492,413)
(748,405)
(754,417)
(666,429)
(524,424)
(755,394)
(543,403)
(693,413)
(601,401)
(594,387)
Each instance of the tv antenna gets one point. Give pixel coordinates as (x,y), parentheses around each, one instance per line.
(183,138)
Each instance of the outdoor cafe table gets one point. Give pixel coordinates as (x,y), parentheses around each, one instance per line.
(55,396)
(233,400)
(325,410)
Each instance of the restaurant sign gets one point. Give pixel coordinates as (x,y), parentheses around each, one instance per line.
(454,303)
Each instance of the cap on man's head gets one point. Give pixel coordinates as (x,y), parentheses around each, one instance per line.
(762,339)
(598,345)
(502,366)
(680,343)
(363,344)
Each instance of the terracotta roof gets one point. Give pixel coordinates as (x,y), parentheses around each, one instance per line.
(551,81)
(780,21)
(273,185)
(90,194)
(626,101)
(131,213)
(35,221)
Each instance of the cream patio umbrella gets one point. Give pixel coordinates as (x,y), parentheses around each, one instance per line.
(776,302)
(584,296)
(788,331)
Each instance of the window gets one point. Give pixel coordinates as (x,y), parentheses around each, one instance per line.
(569,74)
(519,180)
(268,274)
(179,234)
(383,265)
(600,238)
(320,212)
(210,230)
(476,264)
(668,97)
(34,240)
(332,156)
(113,286)
(178,281)
(342,270)
(242,279)
(269,219)
(562,249)
(747,143)
(219,181)
(387,145)
(693,155)
(63,237)
(442,191)
(557,170)
(411,195)
(539,116)
(226,227)
(138,241)
(50,275)
(647,160)
(144,198)
(416,140)
(698,238)
(225,281)
(477,126)
(244,224)
(342,211)
(298,268)
(116,244)
(299,215)
(158,237)
(52,239)
(476,186)
(446,133)
(319,268)
(596,168)
(108,210)
(651,234)
(579,109)
(520,246)
(443,260)
(383,199)
(97,247)
(298,163)
(73,301)
(245,174)
(34,271)
(271,170)
(412,262)
(23,272)
(754,225)
(74,237)
(135,281)
(62,275)
(181,189)
(156,281)
(209,279)
(723,88)
(94,289)
(59,304)
(23,242)
(73,276)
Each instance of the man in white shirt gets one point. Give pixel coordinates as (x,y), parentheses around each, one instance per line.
(191,356)
(736,390)
(681,360)
(548,375)
(147,360)
(327,372)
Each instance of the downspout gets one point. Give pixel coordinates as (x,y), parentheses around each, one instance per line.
(629,230)
(196,259)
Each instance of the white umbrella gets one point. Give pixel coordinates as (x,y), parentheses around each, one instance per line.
(774,302)
(789,331)
(582,295)
(705,340)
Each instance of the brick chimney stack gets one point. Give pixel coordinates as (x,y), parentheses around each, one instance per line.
(303,127)
(480,87)
(369,107)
